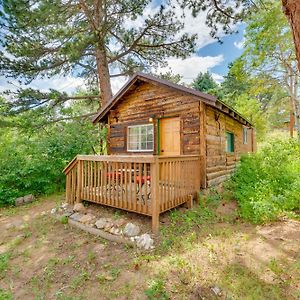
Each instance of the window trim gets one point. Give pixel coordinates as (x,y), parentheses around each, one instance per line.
(245,137)
(140,150)
(233,144)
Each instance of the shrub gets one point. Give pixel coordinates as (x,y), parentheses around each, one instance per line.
(33,164)
(267,183)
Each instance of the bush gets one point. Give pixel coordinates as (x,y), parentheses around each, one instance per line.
(267,183)
(33,164)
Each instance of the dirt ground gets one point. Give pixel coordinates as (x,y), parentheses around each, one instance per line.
(217,257)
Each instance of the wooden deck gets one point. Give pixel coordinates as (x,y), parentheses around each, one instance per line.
(147,185)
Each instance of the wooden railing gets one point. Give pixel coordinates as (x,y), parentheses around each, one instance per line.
(146,185)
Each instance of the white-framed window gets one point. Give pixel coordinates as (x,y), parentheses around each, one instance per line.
(245,135)
(140,138)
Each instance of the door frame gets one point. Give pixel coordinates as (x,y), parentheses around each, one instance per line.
(158,131)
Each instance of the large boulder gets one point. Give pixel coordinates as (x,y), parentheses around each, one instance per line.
(131,230)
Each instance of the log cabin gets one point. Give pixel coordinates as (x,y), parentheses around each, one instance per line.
(165,143)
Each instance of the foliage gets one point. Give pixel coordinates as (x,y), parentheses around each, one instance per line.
(5,295)
(250,108)
(156,290)
(88,39)
(270,60)
(221,15)
(267,183)
(204,83)
(33,162)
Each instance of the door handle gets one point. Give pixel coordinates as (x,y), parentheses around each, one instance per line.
(162,150)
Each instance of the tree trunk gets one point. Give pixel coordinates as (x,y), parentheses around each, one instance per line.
(292,121)
(96,19)
(103,75)
(296,105)
(292,11)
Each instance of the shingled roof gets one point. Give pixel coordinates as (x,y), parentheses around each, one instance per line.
(208,99)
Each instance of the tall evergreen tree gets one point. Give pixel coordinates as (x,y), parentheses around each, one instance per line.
(94,39)
(204,83)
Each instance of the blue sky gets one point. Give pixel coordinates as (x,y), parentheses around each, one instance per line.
(231,48)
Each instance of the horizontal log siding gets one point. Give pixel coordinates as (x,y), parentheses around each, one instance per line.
(219,163)
(148,100)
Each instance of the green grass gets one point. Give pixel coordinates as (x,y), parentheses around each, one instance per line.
(242,283)
(5,295)
(4,263)
(156,290)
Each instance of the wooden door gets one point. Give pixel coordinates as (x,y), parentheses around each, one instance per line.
(170,136)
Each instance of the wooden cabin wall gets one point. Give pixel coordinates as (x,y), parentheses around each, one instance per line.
(219,164)
(150,100)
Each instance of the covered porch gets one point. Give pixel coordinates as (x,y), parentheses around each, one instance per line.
(144,184)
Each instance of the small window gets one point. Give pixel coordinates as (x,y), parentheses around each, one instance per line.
(229,142)
(245,135)
(140,138)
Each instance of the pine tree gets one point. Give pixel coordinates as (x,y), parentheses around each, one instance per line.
(204,83)
(97,39)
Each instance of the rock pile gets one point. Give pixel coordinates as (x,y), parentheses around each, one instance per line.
(117,227)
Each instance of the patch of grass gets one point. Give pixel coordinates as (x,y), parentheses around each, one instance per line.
(64,220)
(114,272)
(4,263)
(184,225)
(156,290)
(5,295)
(79,280)
(275,267)
(91,256)
(27,233)
(213,198)
(239,281)
(68,259)
(49,271)
(62,296)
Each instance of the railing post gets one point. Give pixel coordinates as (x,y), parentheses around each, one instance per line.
(79,181)
(155,200)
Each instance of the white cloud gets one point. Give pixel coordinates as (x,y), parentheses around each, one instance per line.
(217,77)
(240,44)
(190,67)
(117,83)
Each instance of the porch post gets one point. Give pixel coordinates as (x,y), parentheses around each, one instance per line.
(79,181)
(155,201)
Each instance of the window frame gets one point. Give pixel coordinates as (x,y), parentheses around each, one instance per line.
(232,142)
(139,142)
(245,135)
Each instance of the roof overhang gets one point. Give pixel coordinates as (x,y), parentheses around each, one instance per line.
(208,99)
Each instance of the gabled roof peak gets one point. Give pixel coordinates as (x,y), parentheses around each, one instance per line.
(207,98)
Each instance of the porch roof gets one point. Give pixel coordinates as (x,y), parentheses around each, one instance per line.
(139,76)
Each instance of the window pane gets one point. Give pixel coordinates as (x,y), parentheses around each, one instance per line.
(140,137)
(229,142)
(150,145)
(245,135)
(143,145)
